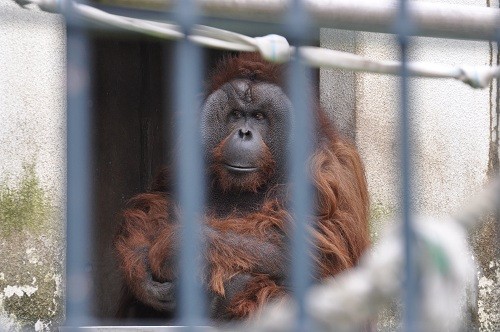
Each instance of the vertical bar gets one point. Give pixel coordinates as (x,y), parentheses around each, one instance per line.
(299,153)
(78,177)
(301,202)
(410,297)
(496,177)
(190,171)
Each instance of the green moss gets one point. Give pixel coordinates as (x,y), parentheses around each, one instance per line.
(380,214)
(379,211)
(31,254)
(44,304)
(24,206)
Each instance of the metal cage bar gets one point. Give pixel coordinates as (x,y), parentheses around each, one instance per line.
(404,27)
(301,265)
(190,172)
(79,180)
(442,20)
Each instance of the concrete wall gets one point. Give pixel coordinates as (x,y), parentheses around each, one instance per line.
(453,140)
(452,137)
(32,168)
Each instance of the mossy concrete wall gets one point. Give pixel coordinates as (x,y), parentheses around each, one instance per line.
(32,168)
(454,138)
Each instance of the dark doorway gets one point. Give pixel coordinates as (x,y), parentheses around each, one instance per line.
(132,139)
(128,98)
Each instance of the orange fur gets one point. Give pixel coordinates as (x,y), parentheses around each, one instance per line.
(226,261)
(145,215)
(245,65)
(260,291)
(340,233)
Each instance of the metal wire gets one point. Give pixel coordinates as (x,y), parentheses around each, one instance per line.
(432,19)
(275,48)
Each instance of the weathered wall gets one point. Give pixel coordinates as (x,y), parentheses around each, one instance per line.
(452,139)
(32,168)
(455,150)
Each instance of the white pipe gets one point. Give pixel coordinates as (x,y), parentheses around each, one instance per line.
(431,19)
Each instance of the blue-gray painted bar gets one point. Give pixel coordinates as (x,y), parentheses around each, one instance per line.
(78,235)
(404,28)
(302,194)
(300,95)
(190,171)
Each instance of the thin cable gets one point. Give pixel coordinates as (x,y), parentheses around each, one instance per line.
(275,48)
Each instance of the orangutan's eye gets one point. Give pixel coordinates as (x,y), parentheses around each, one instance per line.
(259,116)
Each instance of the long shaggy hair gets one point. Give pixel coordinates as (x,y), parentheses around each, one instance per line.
(149,235)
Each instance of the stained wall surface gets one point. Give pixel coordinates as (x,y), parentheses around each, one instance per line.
(32,168)
(453,151)
(452,139)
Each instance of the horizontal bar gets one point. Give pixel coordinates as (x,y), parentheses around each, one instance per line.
(130,328)
(430,19)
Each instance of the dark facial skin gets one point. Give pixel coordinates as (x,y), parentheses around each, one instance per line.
(244,147)
(245,119)
(263,107)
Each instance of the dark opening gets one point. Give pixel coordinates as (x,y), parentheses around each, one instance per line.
(132,84)
(128,96)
